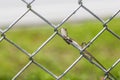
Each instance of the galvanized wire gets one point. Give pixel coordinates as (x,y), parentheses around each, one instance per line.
(63,34)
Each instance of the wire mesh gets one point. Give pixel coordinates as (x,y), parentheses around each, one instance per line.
(64,35)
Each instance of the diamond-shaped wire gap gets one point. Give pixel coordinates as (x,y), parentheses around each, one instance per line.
(116,71)
(54,11)
(10,10)
(29,36)
(84,70)
(33,72)
(114,25)
(11,60)
(81,15)
(106,49)
(58,55)
(103,9)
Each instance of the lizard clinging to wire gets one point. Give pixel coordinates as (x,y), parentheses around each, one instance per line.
(69,40)
(64,34)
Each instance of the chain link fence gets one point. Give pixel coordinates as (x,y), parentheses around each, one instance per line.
(63,34)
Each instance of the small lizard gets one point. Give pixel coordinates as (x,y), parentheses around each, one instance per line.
(68,40)
(64,34)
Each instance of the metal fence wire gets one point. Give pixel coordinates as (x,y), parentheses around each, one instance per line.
(63,34)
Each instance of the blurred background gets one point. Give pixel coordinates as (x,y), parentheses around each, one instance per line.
(55,10)
(31,31)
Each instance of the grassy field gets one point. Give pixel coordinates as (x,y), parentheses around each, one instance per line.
(57,55)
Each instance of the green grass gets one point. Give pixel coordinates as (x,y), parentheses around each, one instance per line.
(57,55)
